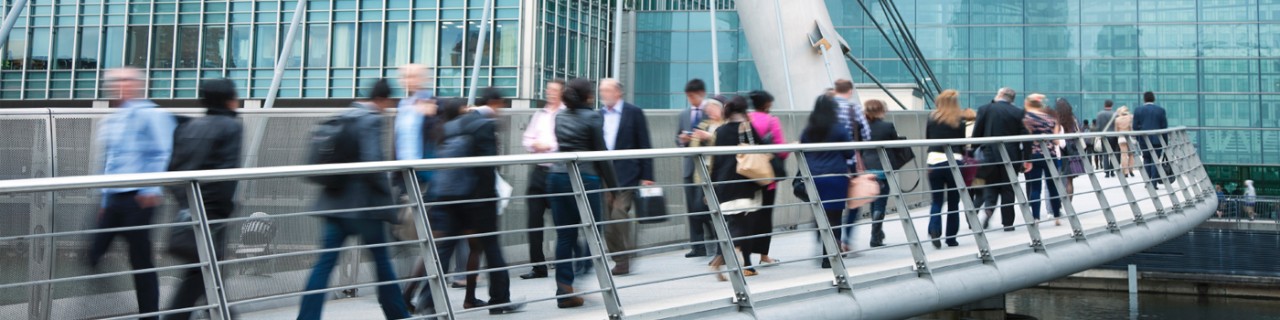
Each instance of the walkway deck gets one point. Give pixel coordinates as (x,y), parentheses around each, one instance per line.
(648,301)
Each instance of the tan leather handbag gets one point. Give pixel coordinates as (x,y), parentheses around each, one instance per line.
(863,189)
(753,165)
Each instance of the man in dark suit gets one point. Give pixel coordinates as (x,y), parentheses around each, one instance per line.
(625,128)
(1150,116)
(998,119)
(699,225)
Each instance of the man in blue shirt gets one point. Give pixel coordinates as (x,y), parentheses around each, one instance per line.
(1150,116)
(625,128)
(415,116)
(136,139)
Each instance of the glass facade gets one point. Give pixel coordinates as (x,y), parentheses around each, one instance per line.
(673,46)
(58,48)
(1212,63)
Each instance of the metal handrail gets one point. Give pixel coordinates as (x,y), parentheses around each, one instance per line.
(169,178)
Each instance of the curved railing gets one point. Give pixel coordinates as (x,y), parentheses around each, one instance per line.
(1105,218)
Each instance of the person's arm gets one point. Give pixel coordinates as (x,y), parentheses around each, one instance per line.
(530,134)
(775,129)
(160,125)
(642,142)
(980,124)
(367,128)
(233,145)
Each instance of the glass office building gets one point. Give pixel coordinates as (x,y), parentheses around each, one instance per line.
(58,48)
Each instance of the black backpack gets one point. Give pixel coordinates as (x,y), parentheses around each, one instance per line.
(459,142)
(334,141)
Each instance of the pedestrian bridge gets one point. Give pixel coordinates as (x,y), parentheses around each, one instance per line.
(1107,218)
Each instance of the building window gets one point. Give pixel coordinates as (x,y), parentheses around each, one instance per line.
(317,45)
(136,48)
(344,42)
(214,45)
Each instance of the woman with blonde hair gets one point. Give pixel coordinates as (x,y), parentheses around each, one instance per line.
(945,122)
(1124,123)
(1041,120)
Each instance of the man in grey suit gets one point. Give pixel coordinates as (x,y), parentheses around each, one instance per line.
(699,225)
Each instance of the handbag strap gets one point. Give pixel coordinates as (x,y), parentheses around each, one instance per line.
(744,129)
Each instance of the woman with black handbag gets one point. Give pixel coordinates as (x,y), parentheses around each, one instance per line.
(881,130)
(1072,162)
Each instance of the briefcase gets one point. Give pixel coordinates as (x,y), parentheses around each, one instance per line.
(650,203)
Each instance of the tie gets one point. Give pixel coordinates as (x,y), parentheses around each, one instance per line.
(697,117)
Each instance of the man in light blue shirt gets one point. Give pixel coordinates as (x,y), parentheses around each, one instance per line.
(411,115)
(136,139)
(612,118)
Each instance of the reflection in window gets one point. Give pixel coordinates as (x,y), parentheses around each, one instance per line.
(266,47)
(214,45)
(398,43)
(15,53)
(238,56)
(188,55)
(472,38)
(111,55)
(424,48)
(451,44)
(64,48)
(39,49)
(508,46)
(370,44)
(162,47)
(136,48)
(317,45)
(344,43)
(88,57)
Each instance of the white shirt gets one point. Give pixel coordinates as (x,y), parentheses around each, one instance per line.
(612,119)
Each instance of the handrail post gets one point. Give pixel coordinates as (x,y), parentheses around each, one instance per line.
(826,235)
(1115,156)
(1020,198)
(1064,197)
(214,291)
(1202,180)
(741,294)
(1092,172)
(970,211)
(427,245)
(908,226)
(612,303)
(1149,181)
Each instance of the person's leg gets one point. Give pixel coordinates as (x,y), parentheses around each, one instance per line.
(1035,185)
(146,284)
(953,217)
(564,212)
(618,235)
(536,219)
(473,264)
(938,175)
(389,297)
(334,232)
(833,218)
(1114,155)
(878,212)
(847,220)
(192,286)
(111,215)
(761,224)
(693,202)
(1055,200)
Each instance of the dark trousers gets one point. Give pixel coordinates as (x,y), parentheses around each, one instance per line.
(944,192)
(879,207)
(761,222)
(122,210)
(537,215)
(699,225)
(833,218)
(370,231)
(192,286)
(1112,159)
(448,220)
(1001,194)
(564,212)
(1149,161)
(1040,169)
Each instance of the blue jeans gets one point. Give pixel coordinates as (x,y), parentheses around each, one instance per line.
(940,179)
(371,231)
(1040,169)
(564,211)
(878,207)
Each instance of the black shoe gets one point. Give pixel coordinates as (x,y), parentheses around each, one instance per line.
(474,304)
(535,274)
(457,284)
(953,243)
(1008,229)
(696,253)
(937,244)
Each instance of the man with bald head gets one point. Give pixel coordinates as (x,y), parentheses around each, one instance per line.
(136,139)
(1000,118)
(625,128)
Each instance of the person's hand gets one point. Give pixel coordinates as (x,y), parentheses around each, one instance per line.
(148,200)
(1026,167)
(428,107)
(646,182)
(541,147)
(702,134)
(685,138)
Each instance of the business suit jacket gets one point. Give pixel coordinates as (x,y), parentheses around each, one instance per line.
(362,190)
(1000,119)
(633,133)
(1150,117)
(686,124)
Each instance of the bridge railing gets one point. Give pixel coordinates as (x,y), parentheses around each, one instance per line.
(1108,207)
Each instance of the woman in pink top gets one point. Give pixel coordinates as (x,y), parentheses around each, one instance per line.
(761,222)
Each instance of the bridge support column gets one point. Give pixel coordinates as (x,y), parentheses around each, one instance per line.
(989,308)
